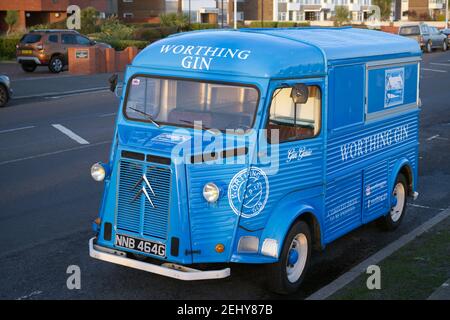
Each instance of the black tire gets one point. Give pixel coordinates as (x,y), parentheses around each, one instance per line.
(445,45)
(56,64)
(4,97)
(29,66)
(277,275)
(390,221)
(428,47)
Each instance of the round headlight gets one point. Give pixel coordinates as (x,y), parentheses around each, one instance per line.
(211,192)
(98,172)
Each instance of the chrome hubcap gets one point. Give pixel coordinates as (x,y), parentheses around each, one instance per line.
(298,253)
(57,64)
(399,201)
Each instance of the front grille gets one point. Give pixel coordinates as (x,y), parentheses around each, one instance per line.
(136,213)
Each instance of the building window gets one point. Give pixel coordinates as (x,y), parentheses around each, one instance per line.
(127,0)
(311,15)
(128,15)
(282,16)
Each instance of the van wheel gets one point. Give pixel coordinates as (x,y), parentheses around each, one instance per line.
(395,216)
(428,47)
(444,45)
(286,275)
(29,66)
(56,64)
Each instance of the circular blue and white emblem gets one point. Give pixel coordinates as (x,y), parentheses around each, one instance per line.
(252,201)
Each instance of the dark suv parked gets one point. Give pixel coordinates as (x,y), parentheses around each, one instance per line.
(49,48)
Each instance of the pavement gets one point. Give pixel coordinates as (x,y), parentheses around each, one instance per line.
(442,293)
(49,199)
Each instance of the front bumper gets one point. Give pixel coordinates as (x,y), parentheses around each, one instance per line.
(166,269)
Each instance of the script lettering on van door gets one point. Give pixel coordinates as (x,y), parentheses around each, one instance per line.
(201,57)
(375,142)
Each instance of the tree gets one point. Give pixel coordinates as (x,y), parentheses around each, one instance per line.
(89,20)
(12,17)
(385,8)
(180,21)
(341,15)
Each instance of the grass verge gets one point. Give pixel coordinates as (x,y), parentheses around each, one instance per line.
(412,273)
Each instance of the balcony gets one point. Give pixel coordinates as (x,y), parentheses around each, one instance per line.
(435,4)
(293,6)
(354,7)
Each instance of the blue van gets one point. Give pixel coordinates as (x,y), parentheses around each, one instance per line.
(257,146)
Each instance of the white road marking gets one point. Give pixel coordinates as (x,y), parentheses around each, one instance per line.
(16,129)
(63,94)
(440,64)
(108,114)
(433,137)
(434,70)
(423,207)
(55,152)
(72,135)
(376,258)
(28,296)
(42,78)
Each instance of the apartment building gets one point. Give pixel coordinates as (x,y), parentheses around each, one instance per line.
(317,10)
(202,11)
(421,9)
(33,12)
(144,10)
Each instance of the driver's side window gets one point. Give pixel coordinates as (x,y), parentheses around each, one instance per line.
(294,121)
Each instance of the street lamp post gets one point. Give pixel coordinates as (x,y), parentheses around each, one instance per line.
(262,13)
(235,14)
(222,14)
(189,12)
(446,13)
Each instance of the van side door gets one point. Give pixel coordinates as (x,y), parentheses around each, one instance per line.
(344,180)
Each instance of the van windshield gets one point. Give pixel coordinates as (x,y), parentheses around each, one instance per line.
(183,102)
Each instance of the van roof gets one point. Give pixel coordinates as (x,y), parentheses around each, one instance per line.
(273,53)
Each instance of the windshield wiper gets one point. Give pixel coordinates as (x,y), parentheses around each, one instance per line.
(149,117)
(192,122)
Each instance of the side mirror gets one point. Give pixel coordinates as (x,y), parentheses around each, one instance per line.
(113,82)
(299,93)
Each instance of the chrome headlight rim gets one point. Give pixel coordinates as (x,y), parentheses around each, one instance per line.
(211,192)
(98,172)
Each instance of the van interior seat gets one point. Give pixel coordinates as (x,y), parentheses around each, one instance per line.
(289,132)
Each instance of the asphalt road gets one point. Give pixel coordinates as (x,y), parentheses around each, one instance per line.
(48,202)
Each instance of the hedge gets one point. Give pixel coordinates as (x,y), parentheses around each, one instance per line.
(147,34)
(201,26)
(278,24)
(122,44)
(8,47)
(266,24)
(289,24)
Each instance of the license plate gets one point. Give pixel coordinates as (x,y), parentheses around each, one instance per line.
(145,246)
(27,51)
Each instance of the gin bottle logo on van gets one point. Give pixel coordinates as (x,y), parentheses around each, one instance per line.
(201,57)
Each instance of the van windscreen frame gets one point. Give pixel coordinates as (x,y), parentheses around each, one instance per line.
(188,123)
